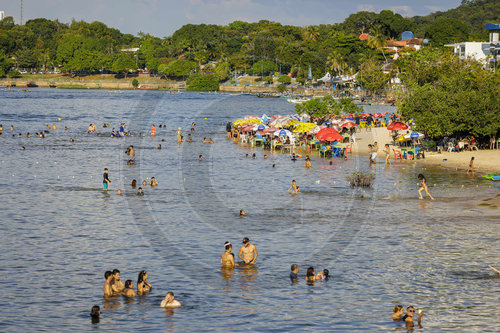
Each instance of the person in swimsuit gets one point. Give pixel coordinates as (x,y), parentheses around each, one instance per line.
(95,314)
(293,186)
(170,301)
(408,318)
(242,213)
(140,192)
(108,291)
(134,183)
(248,252)
(129,291)
(471,166)
(387,151)
(397,313)
(308,163)
(200,158)
(228,130)
(143,286)
(424,187)
(153,130)
(311,275)
(153,182)
(117,285)
(294,271)
(227,258)
(105,181)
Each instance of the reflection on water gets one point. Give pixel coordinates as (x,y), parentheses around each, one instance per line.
(383,246)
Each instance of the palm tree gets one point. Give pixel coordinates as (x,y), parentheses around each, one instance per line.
(377,40)
(311,33)
(336,62)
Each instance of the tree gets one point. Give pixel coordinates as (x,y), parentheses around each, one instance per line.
(336,62)
(268,79)
(202,82)
(315,107)
(221,70)
(447,30)
(377,40)
(177,68)
(123,64)
(285,79)
(135,83)
(265,67)
(372,77)
(311,33)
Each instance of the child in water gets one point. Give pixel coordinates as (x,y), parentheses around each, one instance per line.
(424,187)
(294,187)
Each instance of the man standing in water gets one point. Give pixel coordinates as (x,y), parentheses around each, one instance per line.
(105,180)
(248,252)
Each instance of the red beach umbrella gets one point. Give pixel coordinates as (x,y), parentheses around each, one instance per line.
(333,137)
(349,124)
(396,126)
(322,133)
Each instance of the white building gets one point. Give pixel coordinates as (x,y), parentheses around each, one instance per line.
(2,15)
(475,50)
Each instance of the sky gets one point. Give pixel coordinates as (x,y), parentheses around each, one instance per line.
(162,18)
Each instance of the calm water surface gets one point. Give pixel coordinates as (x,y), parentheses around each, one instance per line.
(383,246)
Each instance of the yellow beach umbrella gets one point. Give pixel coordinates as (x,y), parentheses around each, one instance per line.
(292,123)
(304,127)
(246,121)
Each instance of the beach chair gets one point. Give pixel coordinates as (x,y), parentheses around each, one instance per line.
(451,147)
(397,154)
(348,148)
(258,140)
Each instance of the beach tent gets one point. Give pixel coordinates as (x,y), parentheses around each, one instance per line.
(326,78)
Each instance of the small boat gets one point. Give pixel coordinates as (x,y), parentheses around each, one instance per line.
(297,100)
(52,86)
(493,176)
(31,85)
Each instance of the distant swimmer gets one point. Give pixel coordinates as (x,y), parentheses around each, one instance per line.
(228,130)
(200,158)
(140,192)
(408,317)
(227,258)
(119,192)
(153,130)
(294,271)
(117,284)
(242,212)
(133,183)
(248,252)
(274,165)
(54,127)
(143,286)
(265,156)
(493,268)
(108,291)
(170,301)
(158,147)
(129,291)
(179,134)
(308,163)
(144,183)
(424,187)
(95,314)
(210,140)
(254,156)
(12,128)
(153,182)
(293,187)
(22,148)
(105,181)
(397,312)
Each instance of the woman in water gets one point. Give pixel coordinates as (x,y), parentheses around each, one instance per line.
(153,182)
(397,313)
(129,289)
(310,275)
(424,187)
(134,183)
(143,286)
(95,313)
(227,258)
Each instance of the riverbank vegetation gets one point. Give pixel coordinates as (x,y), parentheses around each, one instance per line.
(261,48)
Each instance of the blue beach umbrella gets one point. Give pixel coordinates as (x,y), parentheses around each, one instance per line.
(261,127)
(309,74)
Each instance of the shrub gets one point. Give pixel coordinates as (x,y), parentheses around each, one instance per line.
(268,79)
(135,83)
(282,87)
(285,79)
(202,82)
(301,80)
(14,74)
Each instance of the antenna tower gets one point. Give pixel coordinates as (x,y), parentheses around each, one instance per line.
(21,12)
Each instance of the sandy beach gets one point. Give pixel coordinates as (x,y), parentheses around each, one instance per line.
(486,161)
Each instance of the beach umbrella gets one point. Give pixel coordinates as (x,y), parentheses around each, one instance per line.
(349,124)
(304,127)
(258,127)
(283,132)
(324,132)
(333,137)
(269,130)
(242,121)
(396,126)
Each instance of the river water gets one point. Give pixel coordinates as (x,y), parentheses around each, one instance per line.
(382,246)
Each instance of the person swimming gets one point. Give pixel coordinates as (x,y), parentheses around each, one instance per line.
(242,212)
(397,313)
(293,186)
(95,314)
(294,271)
(140,192)
(129,291)
(153,182)
(227,258)
(170,301)
(143,286)
(134,183)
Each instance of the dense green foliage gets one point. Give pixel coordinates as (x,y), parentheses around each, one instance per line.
(263,47)
(450,97)
(202,82)
(319,107)
(285,79)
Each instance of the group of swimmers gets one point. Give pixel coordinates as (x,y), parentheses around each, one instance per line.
(114,287)
(399,315)
(247,253)
(311,275)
